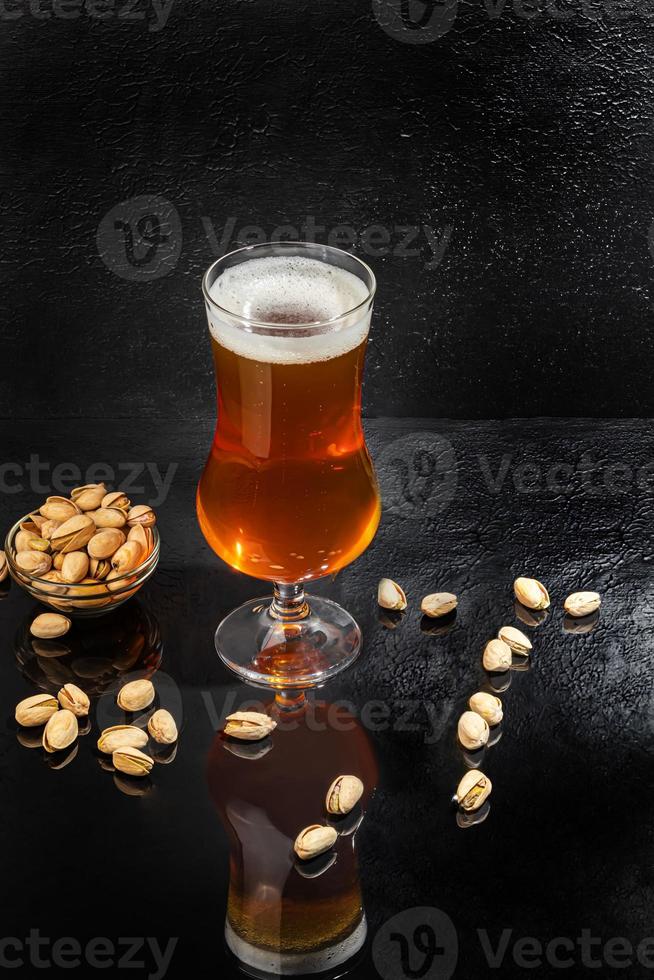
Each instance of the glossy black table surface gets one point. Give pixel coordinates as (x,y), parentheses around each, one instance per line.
(559,874)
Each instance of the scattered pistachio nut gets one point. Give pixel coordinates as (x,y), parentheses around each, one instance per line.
(73,698)
(344,794)
(515,639)
(162,727)
(249,725)
(531,593)
(473,790)
(60,731)
(136,695)
(314,840)
(488,706)
(582,604)
(497,656)
(472,730)
(120,736)
(48,626)
(4,567)
(132,761)
(36,710)
(390,595)
(438,604)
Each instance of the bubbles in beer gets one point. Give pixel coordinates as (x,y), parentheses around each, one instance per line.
(288,291)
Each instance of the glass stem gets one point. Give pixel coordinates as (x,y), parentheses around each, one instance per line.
(289,604)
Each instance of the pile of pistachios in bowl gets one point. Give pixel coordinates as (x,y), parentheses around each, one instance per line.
(85,550)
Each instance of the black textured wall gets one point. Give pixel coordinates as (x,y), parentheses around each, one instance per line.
(493,161)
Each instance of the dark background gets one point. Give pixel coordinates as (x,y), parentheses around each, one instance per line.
(522,137)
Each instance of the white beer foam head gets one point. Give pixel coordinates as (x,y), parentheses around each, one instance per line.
(278,288)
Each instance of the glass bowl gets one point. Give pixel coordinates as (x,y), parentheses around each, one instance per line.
(81,599)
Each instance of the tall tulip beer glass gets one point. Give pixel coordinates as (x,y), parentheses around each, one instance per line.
(288,493)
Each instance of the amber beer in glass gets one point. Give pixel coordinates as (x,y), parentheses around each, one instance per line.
(288,493)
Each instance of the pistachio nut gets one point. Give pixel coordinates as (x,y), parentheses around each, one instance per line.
(58,588)
(515,639)
(344,794)
(60,731)
(74,534)
(34,523)
(143,536)
(119,736)
(438,604)
(35,563)
(75,566)
(116,499)
(58,509)
(390,595)
(473,790)
(74,699)
(531,593)
(36,710)
(141,514)
(497,655)
(108,517)
(48,626)
(132,761)
(99,568)
(127,557)
(104,543)
(38,544)
(472,730)
(488,706)
(49,528)
(89,497)
(136,695)
(314,840)
(58,561)
(117,582)
(4,567)
(582,604)
(91,594)
(249,725)
(23,538)
(162,727)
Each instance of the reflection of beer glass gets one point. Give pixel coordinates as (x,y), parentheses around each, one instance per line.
(288,493)
(287,916)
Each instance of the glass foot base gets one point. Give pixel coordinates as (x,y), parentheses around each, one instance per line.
(326,964)
(288,654)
